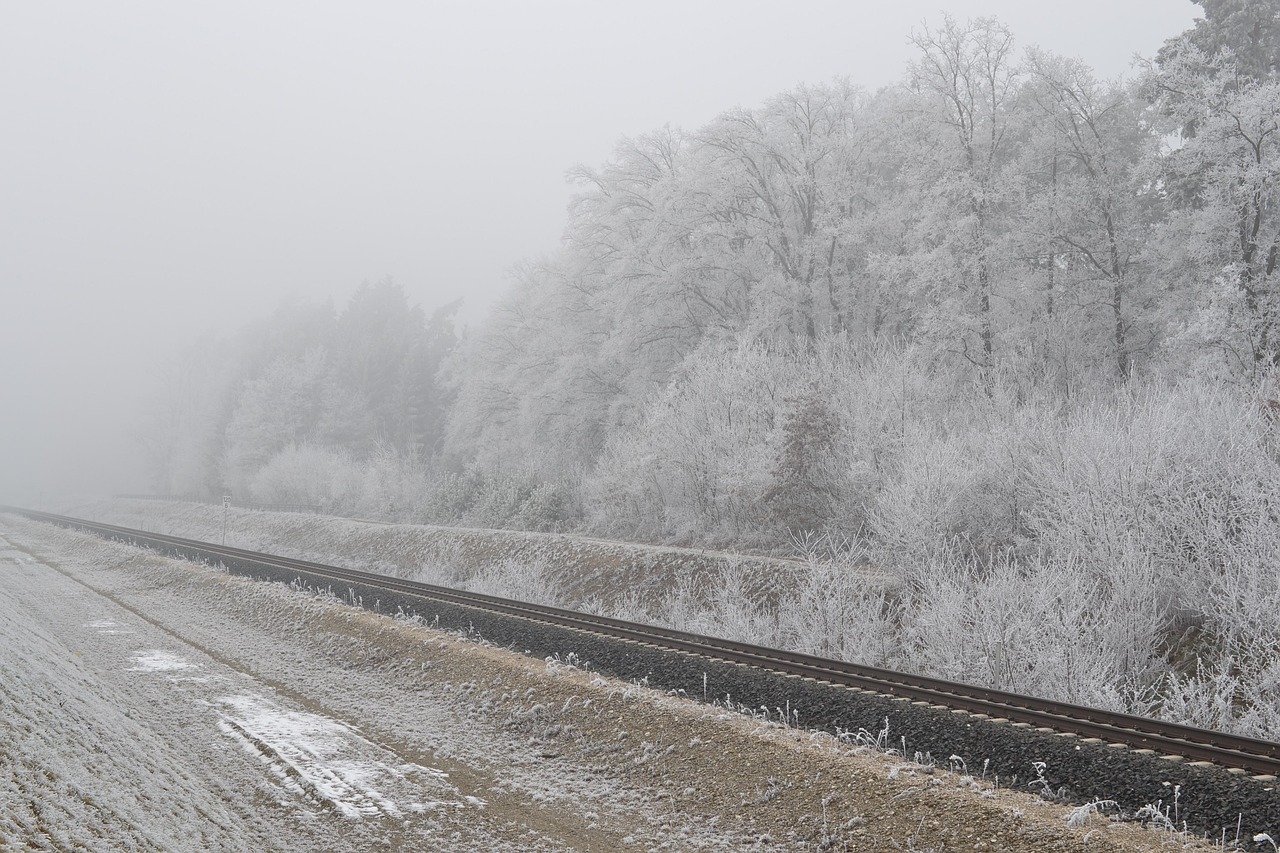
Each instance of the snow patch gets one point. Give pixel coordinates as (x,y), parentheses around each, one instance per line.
(106,626)
(330,763)
(158,660)
(198,679)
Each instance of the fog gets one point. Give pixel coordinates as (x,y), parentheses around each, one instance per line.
(170,170)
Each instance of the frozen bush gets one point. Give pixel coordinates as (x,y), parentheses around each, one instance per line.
(698,465)
(958,487)
(305,474)
(834,611)
(1235,682)
(1032,626)
(1178,473)
(392,484)
(448,498)
(752,444)
(442,561)
(548,507)
(723,603)
(476,499)
(522,578)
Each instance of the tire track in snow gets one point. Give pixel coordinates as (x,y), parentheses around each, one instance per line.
(315,756)
(330,763)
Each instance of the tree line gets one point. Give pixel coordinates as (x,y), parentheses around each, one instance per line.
(996,219)
(311,405)
(1005,219)
(1005,330)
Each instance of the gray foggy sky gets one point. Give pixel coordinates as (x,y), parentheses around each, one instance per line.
(173,168)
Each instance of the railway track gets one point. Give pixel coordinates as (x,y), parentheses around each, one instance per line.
(1179,742)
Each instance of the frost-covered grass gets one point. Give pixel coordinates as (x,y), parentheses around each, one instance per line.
(554,568)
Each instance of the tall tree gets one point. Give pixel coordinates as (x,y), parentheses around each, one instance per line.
(788,195)
(1094,140)
(385,352)
(1246,31)
(1222,184)
(966,82)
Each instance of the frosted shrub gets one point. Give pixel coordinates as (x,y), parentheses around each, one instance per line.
(956,488)
(448,498)
(750,444)
(736,611)
(1032,626)
(624,495)
(1167,498)
(1235,681)
(392,485)
(1139,531)
(476,499)
(683,605)
(306,474)
(1178,474)
(442,561)
(881,397)
(834,612)
(721,604)
(522,578)
(548,507)
(1205,696)
(827,609)
(703,454)
(918,514)
(497,500)
(628,606)
(387,484)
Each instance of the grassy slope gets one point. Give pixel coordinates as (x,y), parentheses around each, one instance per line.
(569,569)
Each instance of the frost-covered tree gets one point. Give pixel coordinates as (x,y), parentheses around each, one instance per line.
(966,86)
(1220,183)
(700,461)
(294,401)
(782,211)
(1246,30)
(1091,200)
(386,353)
(305,381)
(806,479)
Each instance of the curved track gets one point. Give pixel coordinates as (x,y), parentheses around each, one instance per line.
(1231,751)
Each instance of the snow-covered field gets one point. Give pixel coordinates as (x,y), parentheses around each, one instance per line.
(149,704)
(121,733)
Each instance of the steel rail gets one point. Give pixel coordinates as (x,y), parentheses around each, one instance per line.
(1250,754)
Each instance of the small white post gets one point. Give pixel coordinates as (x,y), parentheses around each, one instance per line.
(226,506)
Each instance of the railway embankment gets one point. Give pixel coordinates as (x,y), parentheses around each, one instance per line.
(563,757)
(1061,763)
(568,568)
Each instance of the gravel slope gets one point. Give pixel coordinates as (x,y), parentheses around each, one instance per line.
(156,705)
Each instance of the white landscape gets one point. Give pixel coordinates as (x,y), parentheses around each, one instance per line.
(939,340)
(158,705)
(118,734)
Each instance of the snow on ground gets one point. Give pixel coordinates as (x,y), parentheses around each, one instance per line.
(119,734)
(328,762)
(151,704)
